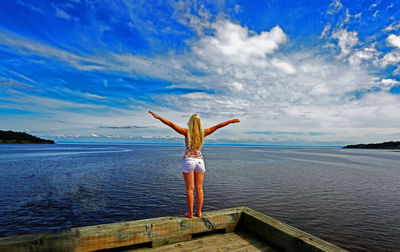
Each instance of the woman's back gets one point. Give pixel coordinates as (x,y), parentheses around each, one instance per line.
(190,152)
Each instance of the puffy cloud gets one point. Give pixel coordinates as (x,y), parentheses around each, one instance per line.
(387,84)
(366,54)
(346,46)
(363,54)
(307,92)
(236,44)
(393,40)
(390,58)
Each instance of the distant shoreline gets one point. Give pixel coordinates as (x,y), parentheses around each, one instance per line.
(385,145)
(12,137)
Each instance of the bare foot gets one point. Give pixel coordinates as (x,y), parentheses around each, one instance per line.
(189,215)
(198,214)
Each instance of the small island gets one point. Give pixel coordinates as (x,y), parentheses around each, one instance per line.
(11,137)
(385,145)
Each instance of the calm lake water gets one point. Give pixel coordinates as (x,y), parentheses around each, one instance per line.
(348,197)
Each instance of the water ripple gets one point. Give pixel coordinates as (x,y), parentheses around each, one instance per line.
(347,197)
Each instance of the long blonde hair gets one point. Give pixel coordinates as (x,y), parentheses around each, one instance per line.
(195,133)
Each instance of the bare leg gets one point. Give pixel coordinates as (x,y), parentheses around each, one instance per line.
(199,178)
(189,192)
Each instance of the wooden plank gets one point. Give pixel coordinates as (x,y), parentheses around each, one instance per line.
(235,241)
(283,235)
(159,231)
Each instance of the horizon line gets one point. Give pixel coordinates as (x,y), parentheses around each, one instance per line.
(208,144)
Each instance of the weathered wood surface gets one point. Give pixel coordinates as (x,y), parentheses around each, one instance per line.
(238,240)
(282,235)
(158,231)
(167,230)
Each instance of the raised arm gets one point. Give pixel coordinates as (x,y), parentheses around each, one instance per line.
(211,130)
(175,127)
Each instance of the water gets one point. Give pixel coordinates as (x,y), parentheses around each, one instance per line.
(347,197)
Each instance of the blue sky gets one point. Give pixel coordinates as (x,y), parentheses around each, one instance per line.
(294,72)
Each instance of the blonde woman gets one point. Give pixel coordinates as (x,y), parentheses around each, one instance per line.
(193,167)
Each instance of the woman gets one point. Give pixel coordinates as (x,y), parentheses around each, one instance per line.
(193,167)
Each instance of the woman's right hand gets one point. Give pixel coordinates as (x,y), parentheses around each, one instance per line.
(153,114)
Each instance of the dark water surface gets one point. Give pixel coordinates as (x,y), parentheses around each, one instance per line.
(348,197)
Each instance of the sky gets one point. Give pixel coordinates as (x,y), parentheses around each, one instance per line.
(308,73)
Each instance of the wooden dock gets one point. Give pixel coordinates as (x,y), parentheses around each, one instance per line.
(233,229)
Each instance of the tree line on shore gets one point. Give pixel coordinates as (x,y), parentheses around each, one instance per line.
(12,137)
(384,145)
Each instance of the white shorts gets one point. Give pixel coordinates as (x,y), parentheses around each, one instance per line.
(190,165)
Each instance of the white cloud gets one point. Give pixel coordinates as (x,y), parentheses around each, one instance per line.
(387,84)
(334,7)
(309,92)
(88,96)
(236,44)
(390,58)
(40,103)
(193,15)
(376,110)
(62,14)
(236,86)
(34,8)
(284,66)
(346,40)
(373,5)
(348,16)
(393,56)
(392,27)
(325,31)
(366,54)
(31,47)
(248,77)
(393,40)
